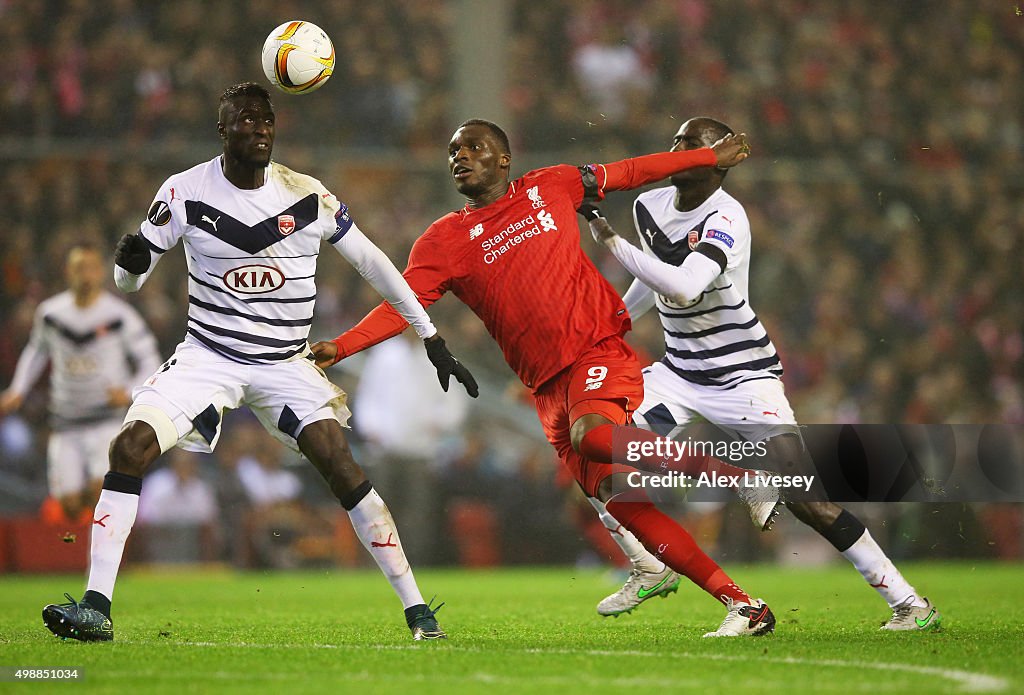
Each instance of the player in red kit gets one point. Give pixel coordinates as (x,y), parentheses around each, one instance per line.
(513,256)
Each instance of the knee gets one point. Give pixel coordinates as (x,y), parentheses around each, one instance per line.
(616,486)
(787,454)
(133,449)
(327,449)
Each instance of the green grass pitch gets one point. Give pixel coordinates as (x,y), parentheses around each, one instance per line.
(529,630)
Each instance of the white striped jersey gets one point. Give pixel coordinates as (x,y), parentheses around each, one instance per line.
(251,256)
(91,350)
(716,340)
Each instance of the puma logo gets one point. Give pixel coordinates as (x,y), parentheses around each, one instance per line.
(386,544)
(213,223)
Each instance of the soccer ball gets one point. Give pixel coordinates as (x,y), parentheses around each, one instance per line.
(298,57)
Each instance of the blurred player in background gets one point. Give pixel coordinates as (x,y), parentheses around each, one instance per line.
(252,231)
(98,349)
(512,254)
(719,364)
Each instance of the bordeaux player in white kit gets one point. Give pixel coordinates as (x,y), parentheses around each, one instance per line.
(98,349)
(252,230)
(719,364)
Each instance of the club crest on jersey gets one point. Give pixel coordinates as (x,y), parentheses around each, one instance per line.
(476,230)
(693,238)
(533,194)
(286,224)
(159,213)
(254,279)
(721,236)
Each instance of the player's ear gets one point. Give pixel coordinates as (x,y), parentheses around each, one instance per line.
(220,130)
(505,161)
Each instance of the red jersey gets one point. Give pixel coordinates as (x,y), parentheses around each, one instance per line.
(518,264)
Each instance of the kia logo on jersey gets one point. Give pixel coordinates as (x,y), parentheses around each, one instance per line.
(286,224)
(254,279)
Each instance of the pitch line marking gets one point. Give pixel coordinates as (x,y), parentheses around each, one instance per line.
(967,681)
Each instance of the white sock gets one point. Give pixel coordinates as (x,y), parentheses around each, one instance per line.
(113,519)
(372,522)
(878,571)
(641,558)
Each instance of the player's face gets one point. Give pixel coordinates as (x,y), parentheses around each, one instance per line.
(247,128)
(477,160)
(85,271)
(692,136)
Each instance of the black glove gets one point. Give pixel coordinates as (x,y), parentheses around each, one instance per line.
(590,211)
(132,254)
(447,366)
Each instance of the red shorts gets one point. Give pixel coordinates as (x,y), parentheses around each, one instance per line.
(606,381)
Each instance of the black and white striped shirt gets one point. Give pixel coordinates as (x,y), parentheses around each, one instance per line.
(90,350)
(716,340)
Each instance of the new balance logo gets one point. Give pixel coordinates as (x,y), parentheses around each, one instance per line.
(595,378)
(475,231)
(386,544)
(534,195)
(213,223)
(99,522)
(547,222)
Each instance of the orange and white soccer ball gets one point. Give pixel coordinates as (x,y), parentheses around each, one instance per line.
(298,57)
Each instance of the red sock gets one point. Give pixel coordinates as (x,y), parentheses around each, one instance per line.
(673,545)
(599,444)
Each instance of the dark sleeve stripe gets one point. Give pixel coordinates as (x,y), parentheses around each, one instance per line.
(251,317)
(248,337)
(238,356)
(714,253)
(338,234)
(152,246)
(721,328)
(729,349)
(588,177)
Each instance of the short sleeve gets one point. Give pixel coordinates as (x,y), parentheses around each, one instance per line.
(165,221)
(729,231)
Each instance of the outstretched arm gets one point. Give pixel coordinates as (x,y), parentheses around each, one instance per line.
(393,316)
(640,171)
(681,284)
(377,269)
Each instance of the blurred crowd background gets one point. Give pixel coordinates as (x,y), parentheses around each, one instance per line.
(885,194)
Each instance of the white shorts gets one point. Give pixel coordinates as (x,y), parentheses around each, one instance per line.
(78,456)
(196,385)
(754,410)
